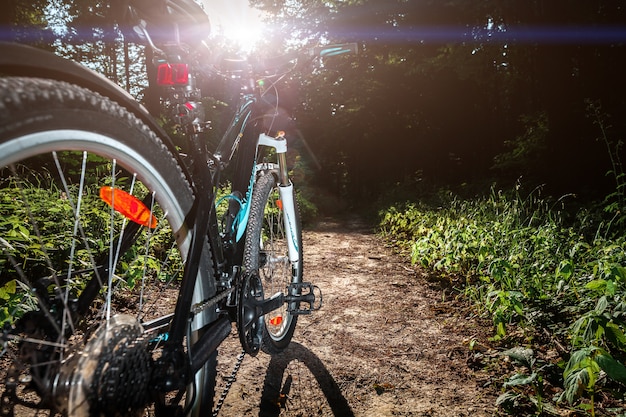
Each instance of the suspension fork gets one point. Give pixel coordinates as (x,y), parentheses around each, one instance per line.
(287,195)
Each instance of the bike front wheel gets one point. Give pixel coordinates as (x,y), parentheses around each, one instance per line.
(266,255)
(93,243)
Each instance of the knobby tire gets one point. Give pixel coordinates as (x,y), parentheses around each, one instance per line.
(59,144)
(265,254)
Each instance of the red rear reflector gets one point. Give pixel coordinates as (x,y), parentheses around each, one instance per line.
(173,74)
(279,204)
(128,206)
(275,321)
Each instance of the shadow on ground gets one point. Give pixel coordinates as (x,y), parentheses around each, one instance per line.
(284,372)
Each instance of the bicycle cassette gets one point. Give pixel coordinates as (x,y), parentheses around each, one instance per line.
(111,376)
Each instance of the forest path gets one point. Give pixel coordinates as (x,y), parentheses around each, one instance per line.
(387,342)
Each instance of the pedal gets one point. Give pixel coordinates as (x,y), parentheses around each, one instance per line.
(308,294)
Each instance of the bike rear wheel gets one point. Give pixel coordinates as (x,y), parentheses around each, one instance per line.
(266,255)
(93,243)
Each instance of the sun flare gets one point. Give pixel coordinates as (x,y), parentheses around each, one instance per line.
(236,22)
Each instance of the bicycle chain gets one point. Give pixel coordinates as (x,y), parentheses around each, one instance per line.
(199,307)
(230,380)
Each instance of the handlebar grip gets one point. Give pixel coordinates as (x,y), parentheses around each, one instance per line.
(338,49)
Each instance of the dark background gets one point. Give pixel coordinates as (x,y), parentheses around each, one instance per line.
(443,92)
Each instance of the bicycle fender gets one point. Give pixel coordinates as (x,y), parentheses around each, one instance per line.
(27,61)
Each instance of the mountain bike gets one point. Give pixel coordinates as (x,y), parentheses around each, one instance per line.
(124,264)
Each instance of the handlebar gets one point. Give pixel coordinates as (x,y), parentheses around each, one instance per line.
(274,64)
(311,53)
(338,49)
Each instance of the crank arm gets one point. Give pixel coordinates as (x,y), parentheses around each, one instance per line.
(271,304)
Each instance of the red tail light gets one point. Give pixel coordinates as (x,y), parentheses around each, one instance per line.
(173,74)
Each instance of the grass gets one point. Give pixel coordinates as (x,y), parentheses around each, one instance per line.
(32,249)
(533,268)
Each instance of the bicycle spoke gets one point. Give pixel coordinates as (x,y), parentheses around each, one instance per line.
(143,275)
(76,210)
(124,222)
(47,260)
(111,239)
(38,341)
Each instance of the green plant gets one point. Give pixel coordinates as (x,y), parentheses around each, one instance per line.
(528,267)
(36,225)
(597,333)
(525,388)
(503,305)
(615,202)
(583,372)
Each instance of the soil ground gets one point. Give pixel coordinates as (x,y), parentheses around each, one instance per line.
(388,341)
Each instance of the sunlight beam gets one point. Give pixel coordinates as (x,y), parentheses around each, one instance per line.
(235,21)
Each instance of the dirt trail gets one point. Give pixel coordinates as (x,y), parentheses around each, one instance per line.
(386,343)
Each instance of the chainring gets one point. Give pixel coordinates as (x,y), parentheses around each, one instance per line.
(249,314)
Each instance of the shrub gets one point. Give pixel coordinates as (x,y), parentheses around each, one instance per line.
(524,265)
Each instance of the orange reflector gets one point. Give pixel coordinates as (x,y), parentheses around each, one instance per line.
(279,204)
(128,206)
(275,321)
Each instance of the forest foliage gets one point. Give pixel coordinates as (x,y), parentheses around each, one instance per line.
(450,96)
(462,91)
(458,91)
